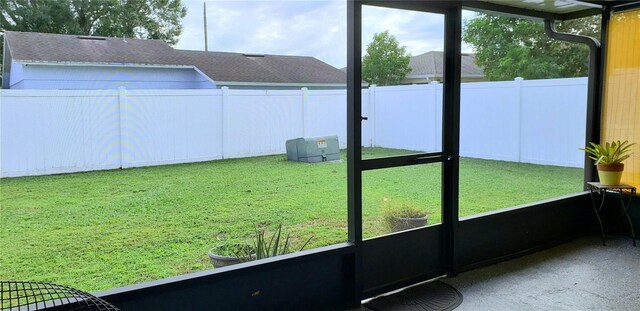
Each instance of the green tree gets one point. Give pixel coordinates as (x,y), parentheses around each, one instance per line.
(143,19)
(386,62)
(511,47)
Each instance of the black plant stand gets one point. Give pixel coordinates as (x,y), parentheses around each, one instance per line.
(622,190)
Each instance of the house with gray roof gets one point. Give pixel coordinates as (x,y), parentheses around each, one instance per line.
(54,61)
(428,67)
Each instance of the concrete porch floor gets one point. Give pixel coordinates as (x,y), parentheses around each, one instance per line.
(581,275)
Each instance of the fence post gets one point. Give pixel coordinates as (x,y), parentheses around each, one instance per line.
(305,98)
(223,120)
(121,97)
(518,88)
(437,117)
(372,115)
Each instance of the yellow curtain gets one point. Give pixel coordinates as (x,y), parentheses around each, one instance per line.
(621,111)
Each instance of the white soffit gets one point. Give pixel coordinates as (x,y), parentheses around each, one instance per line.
(549,6)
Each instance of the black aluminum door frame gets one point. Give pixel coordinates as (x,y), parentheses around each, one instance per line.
(449,157)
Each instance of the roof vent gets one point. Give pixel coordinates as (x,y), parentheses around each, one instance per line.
(253,55)
(91,38)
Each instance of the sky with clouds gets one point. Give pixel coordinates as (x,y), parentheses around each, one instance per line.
(310,28)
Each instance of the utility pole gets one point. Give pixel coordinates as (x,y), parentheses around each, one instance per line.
(206,45)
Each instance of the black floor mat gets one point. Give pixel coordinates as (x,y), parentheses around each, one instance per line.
(430,296)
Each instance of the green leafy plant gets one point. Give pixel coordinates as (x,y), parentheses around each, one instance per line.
(232,249)
(609,153)
(265,247)
(392,209)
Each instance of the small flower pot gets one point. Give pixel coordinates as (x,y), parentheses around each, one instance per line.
(401,224)
(610,174)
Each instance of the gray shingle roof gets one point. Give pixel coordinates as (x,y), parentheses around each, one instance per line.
(430,63)
(219,66)
(225,66)
(45,47)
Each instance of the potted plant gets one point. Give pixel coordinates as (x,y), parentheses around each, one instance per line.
(609,157)
(400,215)
(261,247)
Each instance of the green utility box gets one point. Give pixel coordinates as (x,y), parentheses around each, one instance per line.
(313,150)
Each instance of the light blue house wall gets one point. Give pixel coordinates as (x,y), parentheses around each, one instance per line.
(16,76)
(72,77)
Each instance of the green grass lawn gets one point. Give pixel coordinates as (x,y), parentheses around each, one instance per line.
(105,229)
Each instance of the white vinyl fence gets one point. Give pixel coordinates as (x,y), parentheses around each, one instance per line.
(51,131)
(535,121)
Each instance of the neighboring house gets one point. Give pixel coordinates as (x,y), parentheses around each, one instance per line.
(53,61)
(428,67)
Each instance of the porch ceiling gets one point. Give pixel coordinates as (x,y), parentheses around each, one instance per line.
(533,9)
(542,9)
(549,6)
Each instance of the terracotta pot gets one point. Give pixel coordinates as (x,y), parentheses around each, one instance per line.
(610,174)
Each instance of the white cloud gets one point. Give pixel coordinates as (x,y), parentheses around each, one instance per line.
(419,32)
(310,28)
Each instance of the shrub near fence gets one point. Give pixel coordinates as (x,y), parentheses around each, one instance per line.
(61,131)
